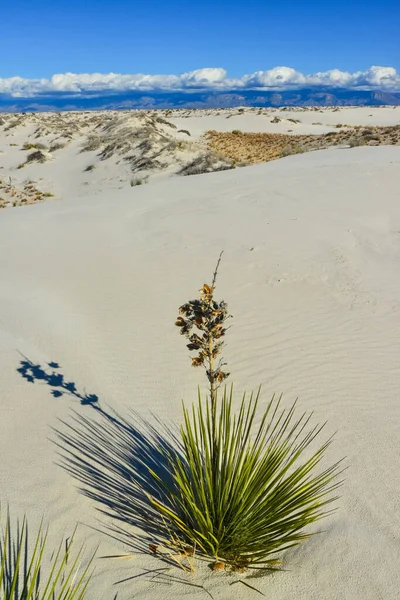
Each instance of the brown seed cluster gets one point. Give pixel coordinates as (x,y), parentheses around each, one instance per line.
(208,317)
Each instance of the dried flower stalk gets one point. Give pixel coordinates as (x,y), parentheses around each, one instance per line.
(208,317)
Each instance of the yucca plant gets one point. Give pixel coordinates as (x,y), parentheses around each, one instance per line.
(245,486)
(28,571)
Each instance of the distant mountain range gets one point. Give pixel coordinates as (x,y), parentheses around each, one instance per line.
(198,99)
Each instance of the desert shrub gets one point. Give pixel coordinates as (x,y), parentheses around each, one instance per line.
(137,181)
(286,151)
(371,138)
(36,156)
(30,146)
(165,122)
(357,141)
(243,486)
(13,123)
(206,163)
(236,132)
(93,142)
(29,571)
(56,146)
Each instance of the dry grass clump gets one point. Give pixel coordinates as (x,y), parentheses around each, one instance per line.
(162,121)
(56,146)
(92,143)
(137,181)
(206,163)
(14,122)
(36,146)
(39,156)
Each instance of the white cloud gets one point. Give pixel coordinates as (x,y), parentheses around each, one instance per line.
(277,78)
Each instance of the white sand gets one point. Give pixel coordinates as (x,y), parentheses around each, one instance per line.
(311,275)
(169,150)
(312,120)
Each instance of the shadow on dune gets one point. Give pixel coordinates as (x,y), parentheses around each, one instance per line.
(112,458)
(55,380)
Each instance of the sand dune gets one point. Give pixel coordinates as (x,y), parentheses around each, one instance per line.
(79,154)
(89,287)
(71,154)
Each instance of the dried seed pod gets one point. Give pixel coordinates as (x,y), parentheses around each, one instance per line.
(217,566)
(197,361)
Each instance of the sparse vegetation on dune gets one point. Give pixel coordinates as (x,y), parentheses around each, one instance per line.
(56,146)
(92,143)
(207,163)
(145,143)
(39,156)
(137,181)
(36,146)
(263,147)
(13,195)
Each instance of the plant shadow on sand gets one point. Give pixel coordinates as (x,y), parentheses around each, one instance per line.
(112,458)
(55,380)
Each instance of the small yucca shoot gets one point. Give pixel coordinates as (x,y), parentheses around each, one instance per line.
(29,571)
(240,492)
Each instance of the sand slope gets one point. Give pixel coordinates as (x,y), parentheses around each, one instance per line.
(311,275)
(71,154)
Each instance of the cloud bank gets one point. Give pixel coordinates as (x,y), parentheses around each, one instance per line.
(278,78)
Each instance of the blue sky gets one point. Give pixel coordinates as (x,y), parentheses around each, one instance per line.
(43,37)
(183,45)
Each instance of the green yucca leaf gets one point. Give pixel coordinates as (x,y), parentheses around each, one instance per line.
(22,561)
(241,490)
